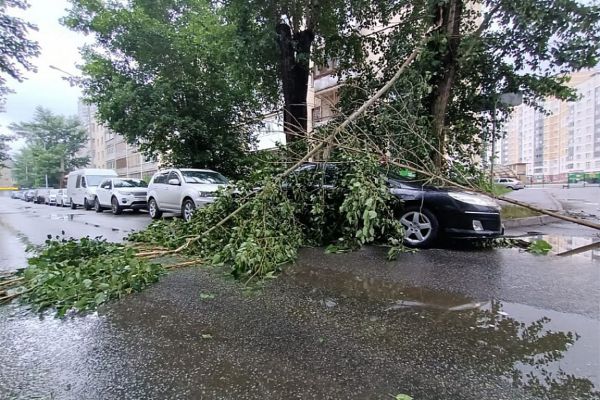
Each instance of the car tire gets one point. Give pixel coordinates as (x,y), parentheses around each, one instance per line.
(86,204)
(153,210)
(97,206)
(187,209)
(421,227)
(115,207)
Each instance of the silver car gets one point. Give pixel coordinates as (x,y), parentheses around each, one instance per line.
(181,191)
(509,183)
(51,199)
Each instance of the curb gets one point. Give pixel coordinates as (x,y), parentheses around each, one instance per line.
(529,221)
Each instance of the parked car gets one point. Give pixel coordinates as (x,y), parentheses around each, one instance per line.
(427,212)
(62,200)
(510,183)
(181,191)
(82,185)
(41,195)
(119,194)
(14,194)
(51,198)
(29,195)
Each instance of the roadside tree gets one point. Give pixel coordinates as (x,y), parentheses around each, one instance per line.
(52,148)
(16,49)
(172,78)
(480,50)
(4,156)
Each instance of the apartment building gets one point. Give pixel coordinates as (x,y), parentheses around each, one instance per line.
(6,179)
(566,139)
(110,150)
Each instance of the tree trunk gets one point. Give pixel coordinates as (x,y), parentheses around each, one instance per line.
(450,13)
(294,69)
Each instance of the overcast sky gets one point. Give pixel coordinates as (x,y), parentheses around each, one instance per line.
(59,47)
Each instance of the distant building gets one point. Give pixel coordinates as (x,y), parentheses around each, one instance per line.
(270,134)
(567,140)
(110,150)
(6,179)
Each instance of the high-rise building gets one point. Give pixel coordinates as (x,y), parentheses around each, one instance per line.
(110,150)
(564,139)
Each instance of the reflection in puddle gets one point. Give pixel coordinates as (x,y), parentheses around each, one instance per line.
(346,284)
(552,354)
(63,217)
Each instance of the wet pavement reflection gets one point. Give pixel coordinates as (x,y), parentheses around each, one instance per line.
(315,332)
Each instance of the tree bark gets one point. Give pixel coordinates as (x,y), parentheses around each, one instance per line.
(294,53)
(450,14)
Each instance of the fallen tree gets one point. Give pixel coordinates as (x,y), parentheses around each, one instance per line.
(253,232)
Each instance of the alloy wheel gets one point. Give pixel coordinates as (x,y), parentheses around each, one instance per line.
(417,227)
(188,210)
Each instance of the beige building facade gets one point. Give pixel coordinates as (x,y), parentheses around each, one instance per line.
(563,141)
(6,180)
(110,150)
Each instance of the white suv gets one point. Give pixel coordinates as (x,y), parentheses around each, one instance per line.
(182,190)
(119,194)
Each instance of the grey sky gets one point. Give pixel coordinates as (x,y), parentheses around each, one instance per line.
(59,47)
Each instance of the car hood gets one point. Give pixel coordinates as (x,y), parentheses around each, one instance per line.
(132,190)
(204,187)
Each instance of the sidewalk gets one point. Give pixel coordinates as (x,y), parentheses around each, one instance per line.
(542,198)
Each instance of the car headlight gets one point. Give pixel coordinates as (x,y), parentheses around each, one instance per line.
(207,194)
(473,199)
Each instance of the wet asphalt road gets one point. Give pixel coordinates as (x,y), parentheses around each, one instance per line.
(24,223)
(436,324)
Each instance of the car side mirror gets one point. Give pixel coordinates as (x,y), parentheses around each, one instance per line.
(174,181)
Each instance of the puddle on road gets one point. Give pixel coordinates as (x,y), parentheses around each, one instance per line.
(62,217)
(10,240)
(554,354)
(348,285)
(529,343)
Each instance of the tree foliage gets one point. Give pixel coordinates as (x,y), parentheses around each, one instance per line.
(172,78)
(16,49)
(493,47)
(4,148)
(52,148)
(301,32)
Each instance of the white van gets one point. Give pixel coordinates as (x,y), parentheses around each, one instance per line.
(82,184)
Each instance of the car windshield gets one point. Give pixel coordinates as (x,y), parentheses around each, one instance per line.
(206,177)
(129,183)
(94,180)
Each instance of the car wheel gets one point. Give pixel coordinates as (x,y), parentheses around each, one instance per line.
(86,205)
(187,209)
(420,227)
(153,209)
(115,207)
(73,205)
(97,206)
(510,187)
